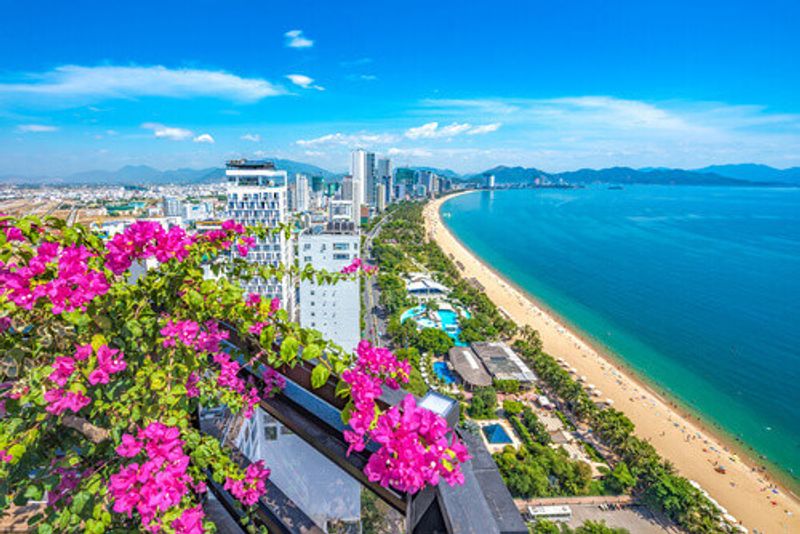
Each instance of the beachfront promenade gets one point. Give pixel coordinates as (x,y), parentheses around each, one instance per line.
(747,493)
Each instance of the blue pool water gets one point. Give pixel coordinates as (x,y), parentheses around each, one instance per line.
(696,288)
(496,434)
(443,372)
(448,318)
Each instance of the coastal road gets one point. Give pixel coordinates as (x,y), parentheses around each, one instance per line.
(375,323)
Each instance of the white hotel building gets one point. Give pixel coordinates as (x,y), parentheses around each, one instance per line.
(257,194)
(333,309)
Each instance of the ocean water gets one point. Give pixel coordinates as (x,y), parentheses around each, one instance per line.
(695,288)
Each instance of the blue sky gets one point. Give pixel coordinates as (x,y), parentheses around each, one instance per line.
(464,85)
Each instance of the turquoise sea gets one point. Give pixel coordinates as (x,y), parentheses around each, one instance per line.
(695,288)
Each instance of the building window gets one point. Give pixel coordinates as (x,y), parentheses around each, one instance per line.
(341,256)
(341,246)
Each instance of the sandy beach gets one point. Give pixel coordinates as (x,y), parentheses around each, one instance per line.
(752,496)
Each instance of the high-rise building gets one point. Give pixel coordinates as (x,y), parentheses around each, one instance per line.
(488,181)
(303,198)
(383,170)
(347,188)
(317,183)
(381,197)
(363,171)
(257,194)
(332,309)
(172,207)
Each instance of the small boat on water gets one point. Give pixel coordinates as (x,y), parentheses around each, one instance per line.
(615,187)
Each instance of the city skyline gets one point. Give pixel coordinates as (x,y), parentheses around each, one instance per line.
(581,86)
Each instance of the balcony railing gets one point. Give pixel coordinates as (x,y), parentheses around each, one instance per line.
(482,504)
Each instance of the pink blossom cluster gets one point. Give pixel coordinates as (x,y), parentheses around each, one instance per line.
(249,489)
(68,481)
(190,521)
(59,275)
(254,300)
(359,265)
(107,362)
(273,381)
(228,235)
(374,367)
(415,448)
(158,483)
(145,239)
(12,232)
(5,456)
(205,338)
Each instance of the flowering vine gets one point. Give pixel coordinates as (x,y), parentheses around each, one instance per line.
(104,376)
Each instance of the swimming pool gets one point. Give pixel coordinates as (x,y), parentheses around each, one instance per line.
(448,321)
(496,434)
(443,372)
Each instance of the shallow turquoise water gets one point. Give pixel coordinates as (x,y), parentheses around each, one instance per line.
(443,372)
(496,434)
(696,288)
(448,318)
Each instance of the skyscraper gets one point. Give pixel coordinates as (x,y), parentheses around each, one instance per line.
(383,170)
(257,194)
(347,188)
(363,171)
(303,200)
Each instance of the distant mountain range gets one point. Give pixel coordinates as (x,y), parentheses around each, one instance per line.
(756,173)
(746,174)
(143,174)
(739,174)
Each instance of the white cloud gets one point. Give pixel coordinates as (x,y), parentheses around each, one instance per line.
(431,130)
(296,39)
(204,138)
(304,81)
(75,84)
(350,140)
(36,128)
(314,153)
(255,138)
(167,132)
(484,128)
(412,152)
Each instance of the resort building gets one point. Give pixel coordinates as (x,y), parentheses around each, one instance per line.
(332,309)
(423,287)
(257,194)
(502,362)
(467,365)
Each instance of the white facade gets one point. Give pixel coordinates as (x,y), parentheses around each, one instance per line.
(381,197)
(363,171)
(333,309)
(303,199)
(172,207)
(258,195)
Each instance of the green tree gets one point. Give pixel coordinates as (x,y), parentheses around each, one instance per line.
(512,407)
(433,340)
(484,404)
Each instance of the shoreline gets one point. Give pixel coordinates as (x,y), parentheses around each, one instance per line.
(688,441)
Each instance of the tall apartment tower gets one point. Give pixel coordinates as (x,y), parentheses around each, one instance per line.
(381,197)
(302,192)
(363,171)
(257,194)
(347,188)
(332,309)
(383,169)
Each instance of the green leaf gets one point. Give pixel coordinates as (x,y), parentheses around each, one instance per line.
(79,501)
(33,492)
(319,375)
(311,352)
(289,348)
